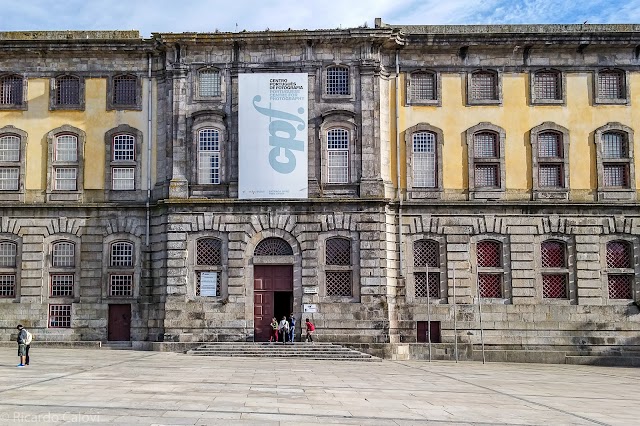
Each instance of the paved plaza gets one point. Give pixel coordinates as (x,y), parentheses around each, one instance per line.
(84,386)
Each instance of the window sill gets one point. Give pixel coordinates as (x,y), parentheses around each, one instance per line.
(15,107)
(79,107)
(602,101)
(484,102)
(487,194)
(624,194)
(553,195)
(547,102)
(425,102)
(425,193)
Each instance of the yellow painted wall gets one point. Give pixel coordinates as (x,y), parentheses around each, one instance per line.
(517,117)
(95,120)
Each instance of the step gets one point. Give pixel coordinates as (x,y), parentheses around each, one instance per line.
(122,346)
(605,361)
(326,351)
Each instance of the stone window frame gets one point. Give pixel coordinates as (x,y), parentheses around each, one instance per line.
(345,120)
(329,97)
(549,193)
(16,270)
(49,269)
(53,91)
(422,192)
(599,100)
(498,87)
(136,164)
(195,84)
(561,80)
(193,268)
(632,240)
(108,270)
(443,269)
(21,106)
(209,120)
(17,195)
(354,267)
(111,105)
(437,79)
(505,270)
(606,193)
(569,270)
(486,193)
(65,195)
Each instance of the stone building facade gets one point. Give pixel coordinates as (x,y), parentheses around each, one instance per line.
(466,185)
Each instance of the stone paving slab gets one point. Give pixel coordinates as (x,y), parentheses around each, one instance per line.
(88,386)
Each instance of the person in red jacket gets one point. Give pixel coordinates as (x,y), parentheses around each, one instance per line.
(310,330)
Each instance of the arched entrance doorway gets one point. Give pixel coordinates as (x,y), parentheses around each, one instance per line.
(272,287)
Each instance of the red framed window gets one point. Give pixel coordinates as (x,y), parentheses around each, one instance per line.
(490,269)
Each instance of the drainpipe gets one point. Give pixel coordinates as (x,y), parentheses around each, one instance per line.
(399,189)
(149,139)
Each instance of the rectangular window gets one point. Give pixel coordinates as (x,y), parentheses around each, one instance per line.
(613,146)
(209,167)
(65,178)
(337,81)
(9,179)
(338,166)
(209,83)
(490,285)
(554,286)
(620,286)
(7,285)
(483,87)
(486,176)
(60,316)
(424,289)
(423,86)
(616,175)
(549,145)
(424,160)
(11,90)
(68,91)
(10,148)
(123,178)
(7,255)
(547,86)
(61,285)
(485,145)
(550,175)
(121,285)
(339,283)
(124,90)
(611,85)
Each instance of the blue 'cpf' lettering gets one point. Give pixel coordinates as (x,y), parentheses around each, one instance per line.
(282,137)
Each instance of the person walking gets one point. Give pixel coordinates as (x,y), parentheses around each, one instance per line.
(292,327)
(273,336)
(22,345)
(284,329)
(310,330)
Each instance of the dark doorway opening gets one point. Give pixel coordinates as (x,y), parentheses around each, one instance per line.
(282,304)
(423,332)
(119,326)
(272,297)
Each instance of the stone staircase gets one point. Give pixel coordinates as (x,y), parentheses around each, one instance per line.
(116,346)
(324,351)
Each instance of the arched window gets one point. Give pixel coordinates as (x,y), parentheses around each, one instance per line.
(11,90)
(8,268)
(615,164)
(273,246)
(123,163)
(208,267)
(65,169)
(485,147)
(121,273)
(338,266)
(209,83)
(620,269)
(338,155)
(208,156)
(62,270)
(337,80)
(555,275)
(10,156)
(426,256)
(490,269)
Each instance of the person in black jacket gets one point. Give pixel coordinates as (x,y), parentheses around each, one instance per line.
(22,345)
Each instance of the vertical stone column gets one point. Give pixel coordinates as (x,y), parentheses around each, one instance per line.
(458,258)
(371,184)
(588,266)
(179,184)
(523,266)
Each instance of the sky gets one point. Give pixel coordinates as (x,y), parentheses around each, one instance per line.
(149,16)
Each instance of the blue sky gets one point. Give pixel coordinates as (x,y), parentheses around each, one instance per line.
(208,15)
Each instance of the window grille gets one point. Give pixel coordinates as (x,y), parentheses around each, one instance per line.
(121,285)
(339,283)
(7,285)
(426,253)
(11,91)
(553,254)
(198,280)
(547,86)
(121,254)
(338,156)
(616,175)
(60,316)
(123,178)
(9,179)
(485,145)
(484,86)
(549,145)
(620,286)
(554,286)
(209,252)
(337,81)
(66,148)
(490,285)
(611,85)
(208,156)
(9,148)
(273,247)
(423,86)
(8,251)
(486,176)
(209,83)
(338,251)
(424,160)
(65,178)
(124,148)
(614,145)
(489,254)
(63,255)
(619,255)
(67,90)
(550,175)
(61,285)
(125,90)
(433,287)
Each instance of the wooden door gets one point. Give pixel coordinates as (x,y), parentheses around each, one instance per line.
(266,280)
(119,328)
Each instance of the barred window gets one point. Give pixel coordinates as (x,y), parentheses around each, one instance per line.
(490,269)
(554,270)
(8,264)
(616,175)
(485,145)
(338,251)
(489,254)
(273,246)
(209,252)
(66,148)
(614,145)
(484,86)
(8,252)
(209,83)
(337,80)
(490,285)
(124,148)
(121,254)
(620,269)
(209,156)
(611,85)
(9,178)
(424,160)
(338,273)
(60,316)
(426,253)
(619,255)
(423,86)
(338,156)
(11,90)
(487,176)
(550,176)
(125,89)
(62,285)
(550,145)
(339,283)
(67,91)
(63,255)
(547,85)
(427,273)
(7,285)
(120,285)
(615,162)
(10,148)
(65,178)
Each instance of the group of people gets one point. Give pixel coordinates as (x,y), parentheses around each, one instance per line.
(285,330)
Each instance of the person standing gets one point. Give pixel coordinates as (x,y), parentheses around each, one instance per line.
(274,330)
(292,327)
(310,330)
(284,329)
(22,345)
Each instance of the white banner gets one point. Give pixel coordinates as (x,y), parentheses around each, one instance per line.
(273,135)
